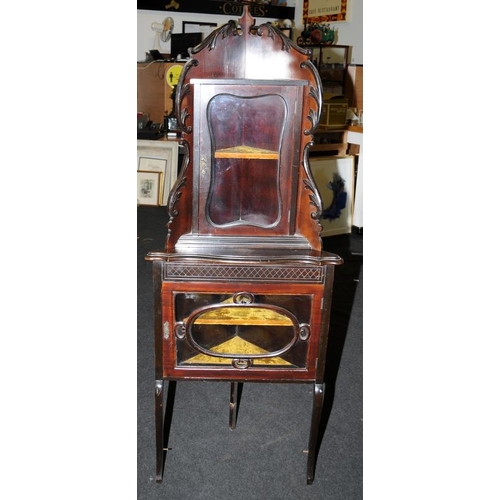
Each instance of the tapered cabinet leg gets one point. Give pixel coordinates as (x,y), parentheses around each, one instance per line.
(233,404)
(319,392)
(159,430)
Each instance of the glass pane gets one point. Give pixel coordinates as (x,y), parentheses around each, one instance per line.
(246,138)
(220,331)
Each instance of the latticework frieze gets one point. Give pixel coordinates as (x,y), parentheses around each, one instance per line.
(257,273)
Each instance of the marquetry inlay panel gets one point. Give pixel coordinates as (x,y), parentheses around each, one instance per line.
(275,273)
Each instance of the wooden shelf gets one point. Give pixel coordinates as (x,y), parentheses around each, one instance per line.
(247,152)
(355,128)
(243,315)
(330,147)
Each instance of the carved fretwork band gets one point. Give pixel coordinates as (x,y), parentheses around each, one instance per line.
(277,273)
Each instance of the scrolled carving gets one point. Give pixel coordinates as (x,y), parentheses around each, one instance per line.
(174,197)
(183,114)
(315,92)
(317,96)
(313,118)
(273,32)
(180,94)
(308,64)
(314,114)
(230,29)
(180,183)
(180,83)
(268,28)
(314,198)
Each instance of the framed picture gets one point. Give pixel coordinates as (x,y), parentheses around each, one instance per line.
(195,27)
(334,178)
(152,164)
(321,11)
(287,32)
(149,187)
(159,156)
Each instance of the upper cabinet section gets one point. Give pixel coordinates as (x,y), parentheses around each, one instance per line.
(248,102)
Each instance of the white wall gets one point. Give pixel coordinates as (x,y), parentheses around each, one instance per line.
(146,36)
(350,33)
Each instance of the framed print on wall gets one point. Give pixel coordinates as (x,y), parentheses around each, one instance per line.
(149,187)
(159,156)
(287,32)
(321,11)
(193,27)
(152,164)
(334,178)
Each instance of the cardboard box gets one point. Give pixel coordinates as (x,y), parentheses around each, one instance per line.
(334,112)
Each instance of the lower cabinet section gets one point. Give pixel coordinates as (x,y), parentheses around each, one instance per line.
(241,330)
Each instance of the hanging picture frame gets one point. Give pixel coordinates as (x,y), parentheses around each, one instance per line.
(325,11)
(334,178)
(198,27)
(287,32)
(159,156)
(149,187)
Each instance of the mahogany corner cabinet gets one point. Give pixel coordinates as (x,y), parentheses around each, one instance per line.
(243,289)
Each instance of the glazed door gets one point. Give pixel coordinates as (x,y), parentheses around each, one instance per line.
(242,330)
(216,329)
(247,163)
